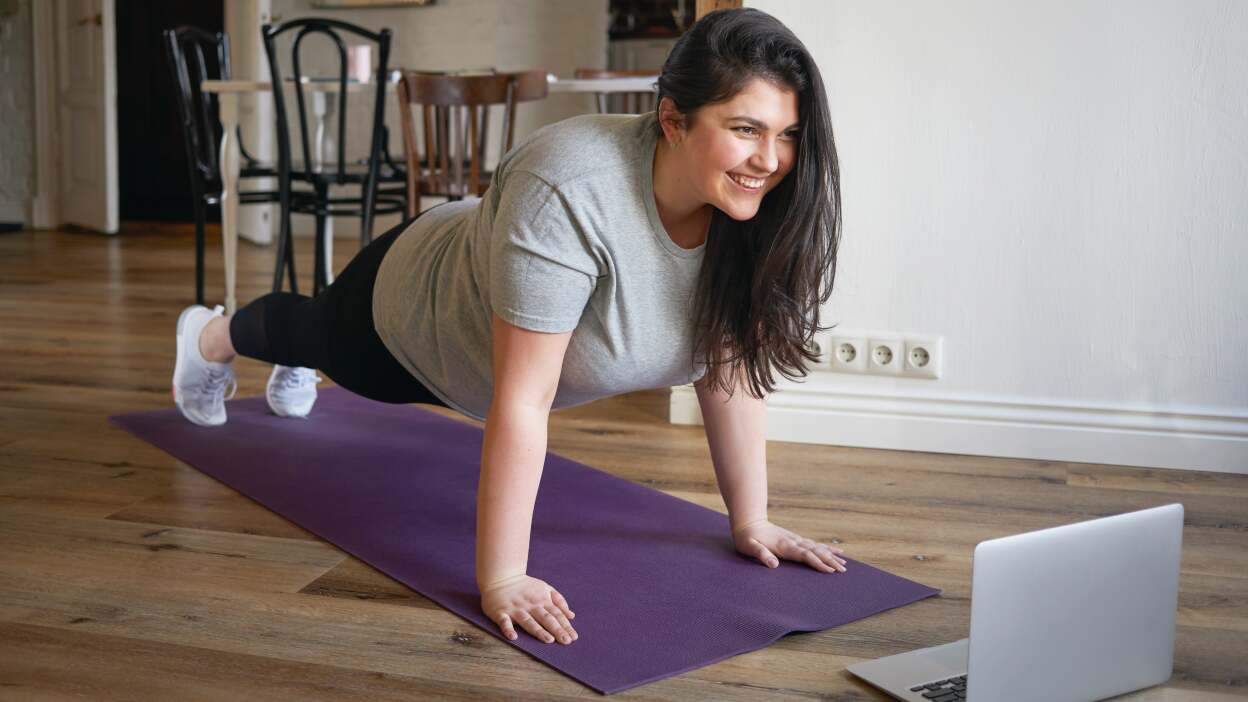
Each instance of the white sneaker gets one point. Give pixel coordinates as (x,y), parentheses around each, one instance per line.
(291,392)
(198,385)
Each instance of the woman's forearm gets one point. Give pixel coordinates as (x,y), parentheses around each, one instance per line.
(736,430)
(512,458)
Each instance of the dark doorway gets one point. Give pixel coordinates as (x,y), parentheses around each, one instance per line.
(151,154)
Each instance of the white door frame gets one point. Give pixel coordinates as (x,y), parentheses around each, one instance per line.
(45,211)
(85,38)
(46,205)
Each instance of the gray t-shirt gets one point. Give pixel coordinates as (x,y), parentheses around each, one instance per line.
(566,238)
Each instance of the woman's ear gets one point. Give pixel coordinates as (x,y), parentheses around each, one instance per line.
(672,121)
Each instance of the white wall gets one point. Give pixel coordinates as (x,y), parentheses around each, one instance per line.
(1060,189)
(16,125)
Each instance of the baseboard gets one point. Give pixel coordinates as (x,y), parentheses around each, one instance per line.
(1128,436)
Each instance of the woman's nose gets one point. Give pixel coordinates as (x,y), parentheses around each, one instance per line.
(766,158)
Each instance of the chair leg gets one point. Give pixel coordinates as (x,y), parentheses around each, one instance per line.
(200,215)
(280,260)
(285,248)
(290,262)
(318,274)
(366,218)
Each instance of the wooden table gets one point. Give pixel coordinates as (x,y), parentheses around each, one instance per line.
(227,92)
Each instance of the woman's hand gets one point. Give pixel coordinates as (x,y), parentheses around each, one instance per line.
(765,541)
(534,605)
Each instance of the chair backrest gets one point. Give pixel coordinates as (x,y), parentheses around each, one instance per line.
(446,101)
(629,102)
(334,30)
(196,55)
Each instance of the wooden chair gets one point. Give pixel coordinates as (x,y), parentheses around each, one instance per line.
(445,102)
(633,102)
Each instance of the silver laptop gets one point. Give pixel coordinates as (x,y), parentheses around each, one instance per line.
(1077,612)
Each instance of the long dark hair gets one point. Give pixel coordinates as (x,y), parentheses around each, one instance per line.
(762,280)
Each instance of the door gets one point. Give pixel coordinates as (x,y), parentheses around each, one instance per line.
(154,183)
(86,85)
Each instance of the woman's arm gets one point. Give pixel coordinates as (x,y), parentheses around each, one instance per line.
(736,430)
(526,367)
(526,375)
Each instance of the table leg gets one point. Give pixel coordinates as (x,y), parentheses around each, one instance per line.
(323,105)
(228,110)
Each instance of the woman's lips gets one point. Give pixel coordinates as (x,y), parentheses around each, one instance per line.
(760,181)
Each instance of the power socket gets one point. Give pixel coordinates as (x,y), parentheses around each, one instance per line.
(923,356)
(820,344)
(880,353)
(884,355)
(847,354)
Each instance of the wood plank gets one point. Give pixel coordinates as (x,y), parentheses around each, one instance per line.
(105,667)
(355,579)
(68,549)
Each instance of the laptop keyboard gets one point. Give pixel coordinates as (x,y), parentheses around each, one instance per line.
(948,690)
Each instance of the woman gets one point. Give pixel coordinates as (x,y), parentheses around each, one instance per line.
(611,253)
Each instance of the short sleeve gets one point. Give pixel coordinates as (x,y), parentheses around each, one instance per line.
(542,267)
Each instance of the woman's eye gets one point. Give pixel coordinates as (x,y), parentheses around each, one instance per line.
(792,134)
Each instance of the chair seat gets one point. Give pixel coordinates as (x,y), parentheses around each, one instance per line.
(258,169)
(245,198)
(354,172)
(307,202)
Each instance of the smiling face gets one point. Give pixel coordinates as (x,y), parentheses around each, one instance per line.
(737,151)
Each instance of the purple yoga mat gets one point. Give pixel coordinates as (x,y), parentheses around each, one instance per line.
(656,584)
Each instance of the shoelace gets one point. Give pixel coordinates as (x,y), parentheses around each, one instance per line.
(299,378)
(216,381)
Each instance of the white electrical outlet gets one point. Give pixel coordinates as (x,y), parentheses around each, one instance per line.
(821,345)
(880,353)
(847,354)
(923,356)
(884,355)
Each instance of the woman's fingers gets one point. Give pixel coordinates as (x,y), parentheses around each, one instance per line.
(554,630)
(813,560)
(544,624)
(829,556)
(504,623)
(562,604)
(532,626)
(566,634)
(823,554)
(763,554)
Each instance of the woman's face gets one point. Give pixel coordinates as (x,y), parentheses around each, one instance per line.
(738,150)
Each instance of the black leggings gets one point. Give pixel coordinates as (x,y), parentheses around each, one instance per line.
(332,332)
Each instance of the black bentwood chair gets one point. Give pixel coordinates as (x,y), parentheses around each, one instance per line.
(188,50)
(366,173)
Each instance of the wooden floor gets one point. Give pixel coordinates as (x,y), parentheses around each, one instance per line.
(125,574)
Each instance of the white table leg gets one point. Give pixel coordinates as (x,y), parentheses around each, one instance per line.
(228,109)
(322,109)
